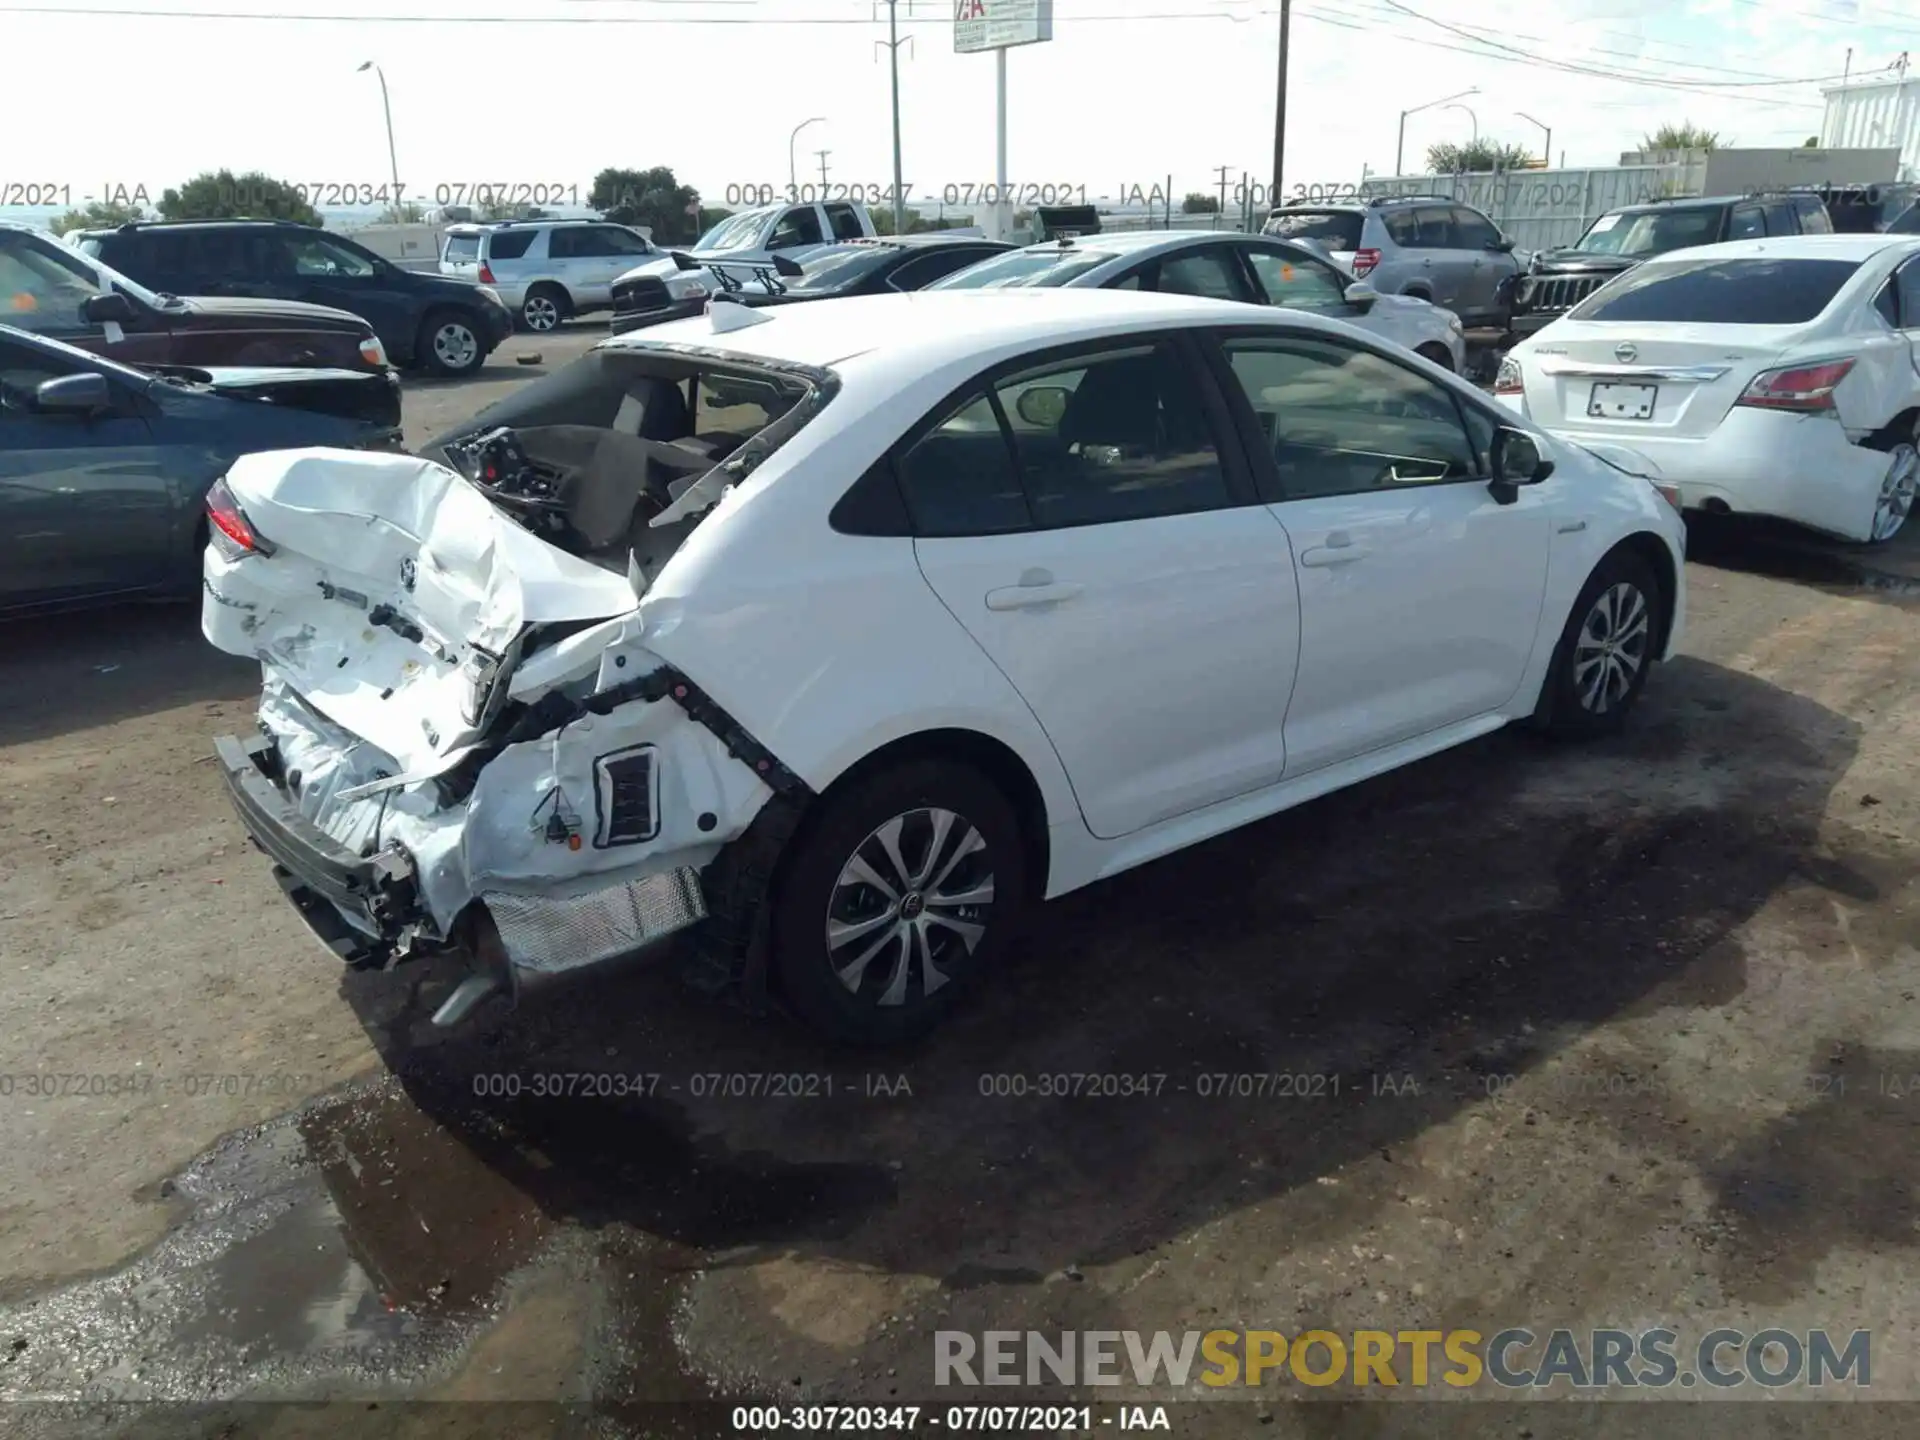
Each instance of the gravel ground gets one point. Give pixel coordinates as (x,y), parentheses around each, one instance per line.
(1616,1035)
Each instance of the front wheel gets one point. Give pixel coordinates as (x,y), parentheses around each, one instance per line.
(1605,652)
(450,345)
(901,894)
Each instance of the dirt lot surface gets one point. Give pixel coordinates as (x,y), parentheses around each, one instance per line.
(1624,1035)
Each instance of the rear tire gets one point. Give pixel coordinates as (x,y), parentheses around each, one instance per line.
(1898,485)
(544,308)
(901,893)
(1605,652)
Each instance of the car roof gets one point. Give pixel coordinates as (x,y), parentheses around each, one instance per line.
(1134,242)
(1795,247)
(924,330)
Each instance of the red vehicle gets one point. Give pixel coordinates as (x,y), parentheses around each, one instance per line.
(52,290)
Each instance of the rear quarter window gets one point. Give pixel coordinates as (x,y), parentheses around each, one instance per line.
(462,248)
(509,244)
(1763,291)
(1335,229)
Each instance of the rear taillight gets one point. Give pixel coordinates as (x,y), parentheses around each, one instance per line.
(230,532)
(1803,388)
(1506,380)
(1364,261)
(486,273)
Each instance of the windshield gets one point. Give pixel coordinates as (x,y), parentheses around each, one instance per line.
(44,286)
(1763,291)
(736,232)
(1650,232)
(1023,268)
(839,265)
(1336,229)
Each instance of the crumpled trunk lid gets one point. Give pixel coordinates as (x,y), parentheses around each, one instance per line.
(392,595)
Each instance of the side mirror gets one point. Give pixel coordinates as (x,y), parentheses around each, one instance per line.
(109,308)
(1517,461)
(83,394)
(1043,405)
(1504,245)
(784,266)
(1361,296)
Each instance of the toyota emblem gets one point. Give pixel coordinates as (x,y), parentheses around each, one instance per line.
(1625,352)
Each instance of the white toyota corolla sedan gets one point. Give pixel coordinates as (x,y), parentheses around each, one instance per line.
(837,633)
(1777,377)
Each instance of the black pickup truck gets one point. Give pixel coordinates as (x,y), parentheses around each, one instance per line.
(1558,280)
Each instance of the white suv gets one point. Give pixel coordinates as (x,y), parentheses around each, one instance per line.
(546,270)
(835,633)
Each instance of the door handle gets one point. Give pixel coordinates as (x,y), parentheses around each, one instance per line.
(1025,597)
(1036,587)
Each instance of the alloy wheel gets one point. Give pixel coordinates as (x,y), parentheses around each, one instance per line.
(1897,489)
(1611,647)
(540,313)
(917,893)
(455,345)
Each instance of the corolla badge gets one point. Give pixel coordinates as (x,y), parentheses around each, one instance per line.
(1625,352)
(409,573)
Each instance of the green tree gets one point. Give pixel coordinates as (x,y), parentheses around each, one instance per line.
(1477,156)
(648,197)
(223,195)
(100,215)
(1684,136)
(410,213)
(917,223)
(710,218)
(1813,143)
(1199,203)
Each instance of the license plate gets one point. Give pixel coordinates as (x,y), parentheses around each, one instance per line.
(1622,402)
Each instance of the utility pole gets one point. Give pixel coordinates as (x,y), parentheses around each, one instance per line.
(893,42)
(1280,106)
(823,171)
(1222,212)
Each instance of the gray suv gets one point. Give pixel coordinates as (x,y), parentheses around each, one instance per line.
(1424,245)
(546,270)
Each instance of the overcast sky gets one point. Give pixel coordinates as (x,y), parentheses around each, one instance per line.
(1126,93)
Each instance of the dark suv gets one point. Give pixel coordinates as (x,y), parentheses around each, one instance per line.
(50,289)
(433,322)
(1557,280)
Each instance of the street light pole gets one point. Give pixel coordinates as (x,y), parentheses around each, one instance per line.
(893,42)
(1399,150)
(1471,116)
(393,162)
(1546,146)
(1280,105)
(793,175)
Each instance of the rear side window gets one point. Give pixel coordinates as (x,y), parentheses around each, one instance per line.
(1434,228)
(1335,229)
(1403,227)
(1813,215)
(1763,291)
(1780,218)
(959,478)
(462,249)
(89,247)
(845,221)
(1747,223)
(510,244)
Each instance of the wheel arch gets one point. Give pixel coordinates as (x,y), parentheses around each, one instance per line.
(1903,426)
(1647,546)
(1436,352)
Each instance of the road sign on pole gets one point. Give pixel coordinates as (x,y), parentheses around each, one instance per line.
(999,26)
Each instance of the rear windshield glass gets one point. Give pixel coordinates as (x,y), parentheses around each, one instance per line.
(1651,232)
(1335,229)
(463,248)
(1024,268)
(1761,291)
(839,265)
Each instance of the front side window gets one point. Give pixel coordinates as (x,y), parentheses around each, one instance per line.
(1758,291)
(1473,231)
(618,240)
(1122,435)
(23,369)
(40,290)
(1343,421)
(1653,232)
(1299,283)
(317,256)
(797,227)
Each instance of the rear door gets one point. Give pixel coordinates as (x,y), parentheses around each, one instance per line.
(1086,516)
(323,270)
(84,504)
(1420,593)
(597,255)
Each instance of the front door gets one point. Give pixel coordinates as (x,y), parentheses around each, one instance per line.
(1420,593)
(1085,522)
(84,504)
(591,257)
(316,268)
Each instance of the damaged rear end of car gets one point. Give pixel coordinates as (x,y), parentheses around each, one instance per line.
(465,744)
